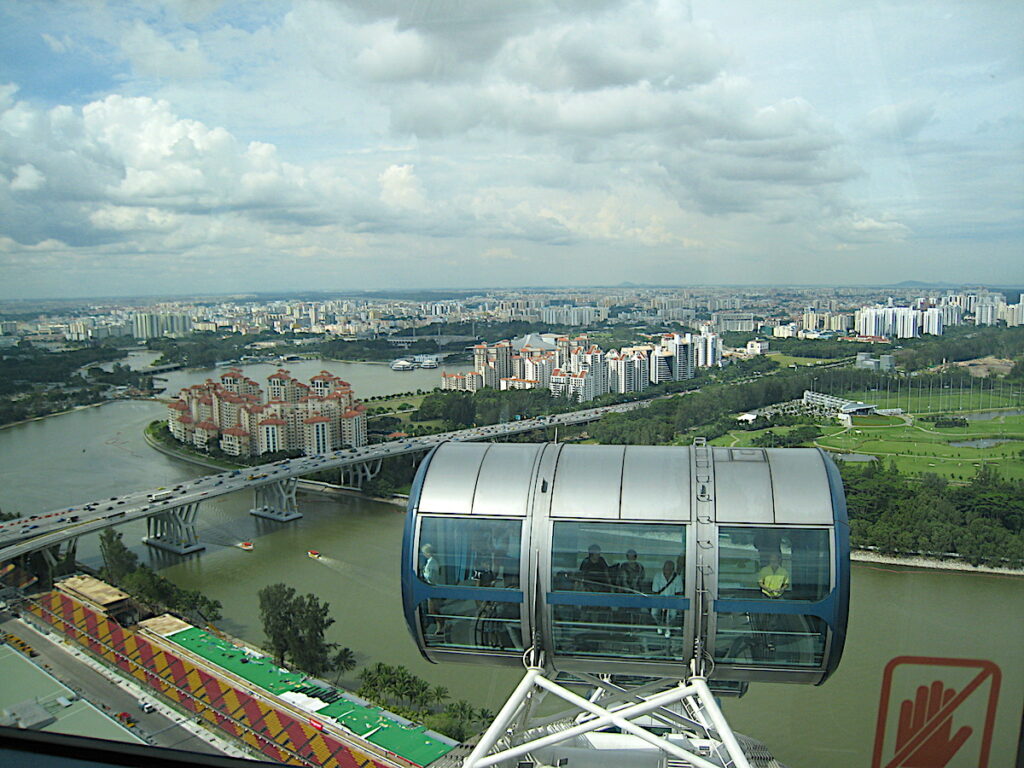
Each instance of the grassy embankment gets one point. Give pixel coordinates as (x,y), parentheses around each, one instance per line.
(919,447)
(787,360)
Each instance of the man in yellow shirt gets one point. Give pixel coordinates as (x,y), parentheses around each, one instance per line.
(773,578)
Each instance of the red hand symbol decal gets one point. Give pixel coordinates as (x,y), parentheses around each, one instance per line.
(918,717)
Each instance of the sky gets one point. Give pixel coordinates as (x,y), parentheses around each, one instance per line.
(218,147)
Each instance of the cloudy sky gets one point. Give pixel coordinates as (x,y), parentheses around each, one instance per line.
(224,147)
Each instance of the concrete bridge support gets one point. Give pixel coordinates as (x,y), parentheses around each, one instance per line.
(174,530)
(60,558)
(354,475)
(276,501)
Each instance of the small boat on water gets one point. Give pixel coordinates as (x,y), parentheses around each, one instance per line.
(403,365)
(428,364)
(246,545)
(312,553)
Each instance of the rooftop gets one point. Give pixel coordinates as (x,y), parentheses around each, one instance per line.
(92,590)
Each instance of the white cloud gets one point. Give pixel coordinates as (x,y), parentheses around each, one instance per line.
(400,188)
(330,132)
(155,56)
(899,121)
(27,178)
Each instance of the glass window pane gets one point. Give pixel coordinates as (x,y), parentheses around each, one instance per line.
(759,563)
(622,559)
(623,633)
(461,552)
(625,558)
(471,624)
(766,639)
(469,552)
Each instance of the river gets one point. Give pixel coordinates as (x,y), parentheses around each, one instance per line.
(895,612)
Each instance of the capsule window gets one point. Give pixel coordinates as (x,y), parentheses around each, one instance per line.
(761,563)
(627,585)
(770,639)
(470,553)
(617,557)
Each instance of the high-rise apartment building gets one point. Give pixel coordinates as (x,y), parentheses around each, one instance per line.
(315,418)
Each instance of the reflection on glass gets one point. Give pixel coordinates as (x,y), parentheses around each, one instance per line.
(759,563)
(625,558)
(782,640)
(461,552)
(469,552)
(619,632)
(635,562)
(471,624)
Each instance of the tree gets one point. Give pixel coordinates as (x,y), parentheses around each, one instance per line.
(344,660)
(295,627)
(118,560)
(276,602)
(308,648)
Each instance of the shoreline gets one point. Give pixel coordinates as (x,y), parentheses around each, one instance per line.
(58,413)
(932,563)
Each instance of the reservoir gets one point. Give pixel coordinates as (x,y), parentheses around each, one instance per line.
(895,612)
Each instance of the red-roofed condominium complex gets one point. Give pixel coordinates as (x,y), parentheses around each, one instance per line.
(315,418)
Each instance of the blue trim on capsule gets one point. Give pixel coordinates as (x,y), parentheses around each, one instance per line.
(408,565)
(424,591)
(841,594)
(614,600)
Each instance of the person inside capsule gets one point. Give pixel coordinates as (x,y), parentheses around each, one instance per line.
(432,575)
(594,571)
(667,582)
(773,579)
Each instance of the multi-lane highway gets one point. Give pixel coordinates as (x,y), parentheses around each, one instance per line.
(29,534)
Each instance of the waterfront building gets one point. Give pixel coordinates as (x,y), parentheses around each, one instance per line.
(462,382)
(231,413)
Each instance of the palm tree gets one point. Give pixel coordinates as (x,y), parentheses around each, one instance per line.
(461,710)
(344,660)
(439,695)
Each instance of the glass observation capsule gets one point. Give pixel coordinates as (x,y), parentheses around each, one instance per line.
(625,559)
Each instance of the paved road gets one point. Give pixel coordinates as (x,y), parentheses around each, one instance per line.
(29,534)
(106,695)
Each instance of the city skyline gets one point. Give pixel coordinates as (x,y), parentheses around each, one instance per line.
(363,146)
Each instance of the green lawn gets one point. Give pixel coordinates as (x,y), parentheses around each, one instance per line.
(785,360)
(876,420)
(920,447)
(941,400)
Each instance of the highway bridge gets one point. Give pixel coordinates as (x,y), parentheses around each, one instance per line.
(171,512)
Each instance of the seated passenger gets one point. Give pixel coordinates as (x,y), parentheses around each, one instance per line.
(773,578)
(593,571)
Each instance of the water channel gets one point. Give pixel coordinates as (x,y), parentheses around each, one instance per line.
(97,452)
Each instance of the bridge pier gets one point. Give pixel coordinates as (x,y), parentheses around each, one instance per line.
(354,475)
(276,501)
(60,558)
(174,530)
